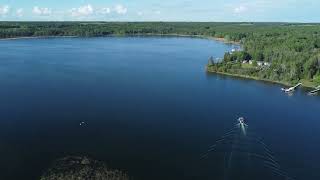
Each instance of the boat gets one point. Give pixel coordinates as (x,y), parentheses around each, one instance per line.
(241,121)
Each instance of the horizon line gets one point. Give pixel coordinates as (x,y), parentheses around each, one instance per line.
(120,21)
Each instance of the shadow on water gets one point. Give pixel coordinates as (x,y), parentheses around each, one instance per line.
(240,154)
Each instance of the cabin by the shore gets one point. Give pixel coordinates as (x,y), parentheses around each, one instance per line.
(259,63)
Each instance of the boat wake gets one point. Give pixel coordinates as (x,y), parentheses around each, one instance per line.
(244,156)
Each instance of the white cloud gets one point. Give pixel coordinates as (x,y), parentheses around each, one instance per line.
(120,9)
(254,7)
(4,10)
(41,11)
(90,11)
(240,9)
(140,13)
(105,11)
(82,11)
(157,12)
(19,12)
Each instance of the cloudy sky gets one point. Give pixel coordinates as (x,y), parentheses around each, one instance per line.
(161,10)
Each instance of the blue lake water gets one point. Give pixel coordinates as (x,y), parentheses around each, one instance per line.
(149,108)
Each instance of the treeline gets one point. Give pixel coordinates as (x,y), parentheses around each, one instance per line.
(229,31)
(293,49)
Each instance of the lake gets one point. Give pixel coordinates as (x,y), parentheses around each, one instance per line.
(148,106)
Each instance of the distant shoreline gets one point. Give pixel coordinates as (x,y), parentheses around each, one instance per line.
(197,36)
(115,35)
(35,37)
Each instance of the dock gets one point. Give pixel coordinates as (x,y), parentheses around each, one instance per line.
(314,91)
(317,89)
(288,90)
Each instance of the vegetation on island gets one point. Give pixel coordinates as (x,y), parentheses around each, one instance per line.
(291,50)
(81,168)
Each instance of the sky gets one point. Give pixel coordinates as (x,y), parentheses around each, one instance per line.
(161,10)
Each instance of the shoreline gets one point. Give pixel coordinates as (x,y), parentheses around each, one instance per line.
(195,36)
(36,37)
(16,38)
(115,35)
(256,78)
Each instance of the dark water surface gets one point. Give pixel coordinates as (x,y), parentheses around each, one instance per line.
(149,108)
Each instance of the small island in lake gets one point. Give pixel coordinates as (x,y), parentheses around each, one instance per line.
(81,168)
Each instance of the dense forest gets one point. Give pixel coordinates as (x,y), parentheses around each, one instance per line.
(291,49)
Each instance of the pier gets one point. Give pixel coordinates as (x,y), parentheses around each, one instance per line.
(317,89)
(291,89)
